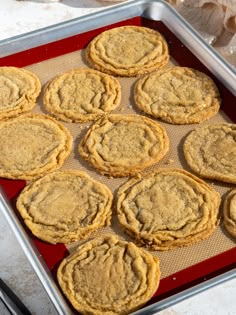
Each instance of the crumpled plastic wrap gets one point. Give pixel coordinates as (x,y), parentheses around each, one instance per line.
(215,20)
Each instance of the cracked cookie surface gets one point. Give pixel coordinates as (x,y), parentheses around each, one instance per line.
(32,145)
(108,276)
(128,51)
(19,89)
(229,212)
(65,206)
(120,145)
(167,208)
(210,151)
(178,95)
(82,95)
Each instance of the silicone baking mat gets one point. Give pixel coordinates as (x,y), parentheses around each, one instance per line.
(181,268)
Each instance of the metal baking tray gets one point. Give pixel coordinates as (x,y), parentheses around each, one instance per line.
(73,35)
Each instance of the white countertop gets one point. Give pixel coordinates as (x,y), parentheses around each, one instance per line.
(17,17)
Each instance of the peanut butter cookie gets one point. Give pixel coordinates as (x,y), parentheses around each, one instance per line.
(19,89)
(128,51)
(210,151)
(65,206)
(82,95)
(167,208)
(32,145)
(108,276)
(229,212)
(178,95)
(120,145)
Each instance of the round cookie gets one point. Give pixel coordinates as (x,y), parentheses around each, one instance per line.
(19,91)
(229,212)
(128,51)
(177,95)
(108,276)
(210,151)
(82,95)
(32,145)
(65,206)
(121,145)
(167,208)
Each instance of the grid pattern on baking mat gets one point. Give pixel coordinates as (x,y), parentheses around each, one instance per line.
(180,267)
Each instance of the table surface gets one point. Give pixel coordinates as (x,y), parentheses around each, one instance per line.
(17,17)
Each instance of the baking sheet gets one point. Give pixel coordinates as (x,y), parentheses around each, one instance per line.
(183,257)
(180,267)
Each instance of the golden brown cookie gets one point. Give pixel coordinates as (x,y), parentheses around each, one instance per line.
(108,276)
(229,212)
(177,95)
(121,145)
(82,95)
(32,145)
(128,51)
(19,89)
(65,206)
(210,151)
(167,208)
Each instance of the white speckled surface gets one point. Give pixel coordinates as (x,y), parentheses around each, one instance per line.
(17,17)
(18,274)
